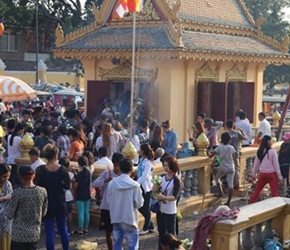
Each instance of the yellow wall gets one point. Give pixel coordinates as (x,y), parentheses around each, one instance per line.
(173,94)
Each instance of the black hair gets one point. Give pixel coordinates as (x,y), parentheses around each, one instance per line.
(147,151)
(74,133)
(262,114)
(18,127)
(242,115)
(102,152)
(54,114)
(62,130)
(225,138)
(264,146)
(11,123)
(172,163)
(117,157)
(34,151)
(4,168)
(126,166)
(83,161)
(144,124)
(201,114)
(230,123)
(64,161)
(45,130)
(90,157)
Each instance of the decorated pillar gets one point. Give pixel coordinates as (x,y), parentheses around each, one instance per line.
(42,71)
(2,67)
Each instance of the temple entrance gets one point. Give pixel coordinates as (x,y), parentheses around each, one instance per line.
(119,94)
(220,100)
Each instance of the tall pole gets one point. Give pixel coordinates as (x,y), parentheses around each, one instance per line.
(36,31)
(133,77)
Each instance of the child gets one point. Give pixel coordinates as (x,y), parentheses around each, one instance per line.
(82,195)
(64,161)
(27,207)
(227,165)
(5,196)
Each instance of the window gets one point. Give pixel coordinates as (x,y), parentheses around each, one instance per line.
(8,42)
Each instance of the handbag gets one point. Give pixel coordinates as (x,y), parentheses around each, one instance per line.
(155,206)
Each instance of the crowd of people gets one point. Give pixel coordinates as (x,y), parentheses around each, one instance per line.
(46,190)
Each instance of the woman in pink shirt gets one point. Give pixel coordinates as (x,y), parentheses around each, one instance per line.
(266,163)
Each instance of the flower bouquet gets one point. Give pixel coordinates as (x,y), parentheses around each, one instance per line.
(156,180)
(186,243)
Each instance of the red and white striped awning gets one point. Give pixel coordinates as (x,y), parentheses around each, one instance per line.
(13,89)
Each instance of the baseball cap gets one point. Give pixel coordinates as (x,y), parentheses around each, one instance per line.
(25,171)
(286,136)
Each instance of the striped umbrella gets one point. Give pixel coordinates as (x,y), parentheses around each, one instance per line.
(13,89)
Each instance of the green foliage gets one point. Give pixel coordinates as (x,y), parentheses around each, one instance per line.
(273,26)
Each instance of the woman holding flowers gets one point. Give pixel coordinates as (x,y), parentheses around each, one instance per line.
(169,191)
(145,169)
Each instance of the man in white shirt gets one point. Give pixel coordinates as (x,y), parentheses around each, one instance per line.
(34,157)
(103,158)
(265,127)
(245,125)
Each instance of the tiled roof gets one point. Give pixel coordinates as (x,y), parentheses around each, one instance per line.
(210,42)
(121,38)
(217,12)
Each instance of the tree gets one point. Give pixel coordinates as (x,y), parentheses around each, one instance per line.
(276,27)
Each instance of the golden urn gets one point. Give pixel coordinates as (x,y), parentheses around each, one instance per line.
(26,144)
(276,117)
(129,151)
(202,143)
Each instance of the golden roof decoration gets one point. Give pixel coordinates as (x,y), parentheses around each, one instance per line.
(174,30)
(101,12)
(246,11)
(285,44)
(236,74)
(124,71)
(169,12)
(259,23)
(59,35)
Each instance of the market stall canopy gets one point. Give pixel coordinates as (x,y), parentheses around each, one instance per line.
(13,89)
(71,92)
(39,92)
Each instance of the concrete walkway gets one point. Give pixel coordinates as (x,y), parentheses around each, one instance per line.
(149,241)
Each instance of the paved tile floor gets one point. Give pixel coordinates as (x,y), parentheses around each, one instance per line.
(147,242)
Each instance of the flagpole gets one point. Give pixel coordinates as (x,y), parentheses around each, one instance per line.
(133,77)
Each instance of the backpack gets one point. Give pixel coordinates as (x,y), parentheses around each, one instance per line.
(272,244)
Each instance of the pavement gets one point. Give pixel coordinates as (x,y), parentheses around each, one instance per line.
(148,241)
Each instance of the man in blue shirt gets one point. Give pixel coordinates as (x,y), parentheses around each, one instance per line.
(170,138)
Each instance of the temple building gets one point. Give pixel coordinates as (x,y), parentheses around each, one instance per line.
(191,56)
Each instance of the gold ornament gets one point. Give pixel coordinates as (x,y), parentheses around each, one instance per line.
(129,151)
(26,144)
(202,143)
(276,117)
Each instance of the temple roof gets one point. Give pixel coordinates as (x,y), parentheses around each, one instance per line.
(220,43)
(121,38)
(198,29)
(231,13)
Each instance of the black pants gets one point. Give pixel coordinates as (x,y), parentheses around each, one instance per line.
(145,211)
(166,223)
(285,172)
(23,245)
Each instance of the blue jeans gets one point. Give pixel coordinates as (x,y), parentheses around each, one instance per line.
(62,229)
(83,214)
(129,232)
